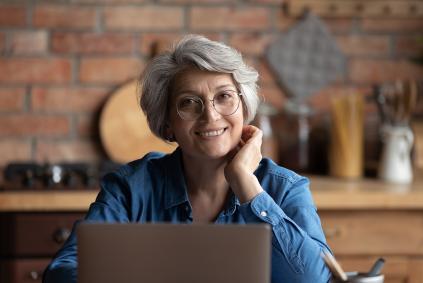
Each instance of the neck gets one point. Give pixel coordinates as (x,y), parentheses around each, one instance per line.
(205,176)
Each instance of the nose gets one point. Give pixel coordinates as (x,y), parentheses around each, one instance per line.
(209,113)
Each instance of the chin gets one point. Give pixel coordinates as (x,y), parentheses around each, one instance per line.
(217,153)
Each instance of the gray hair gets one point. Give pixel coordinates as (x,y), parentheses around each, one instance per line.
(193,51)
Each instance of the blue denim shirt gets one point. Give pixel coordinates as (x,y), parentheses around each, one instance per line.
(153,189)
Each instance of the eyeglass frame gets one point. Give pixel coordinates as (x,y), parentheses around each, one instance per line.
(203,106)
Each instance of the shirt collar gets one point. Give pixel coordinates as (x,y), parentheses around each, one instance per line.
(231,204)
(176,192)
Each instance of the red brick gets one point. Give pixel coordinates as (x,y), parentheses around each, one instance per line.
(197,1)
(334,25)
(12,15)
(364,44)
(86,43)
(86,125)
(62,99)
(64,16)
(351,8)
(71,151)
(33,125)
(283,21)
(109,70)
(12,99)
(148,17)
(273,95)
(12,150)
(34,70)
(251,43)
(321,100)
(109,1)
(339,25)
(159,42)
(371,71)
(409,45)
(275,2)
(229,18)
(392,25)
(29,42)
(266,75)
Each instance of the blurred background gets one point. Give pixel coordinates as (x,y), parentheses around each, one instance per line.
(65,64)
(61,60)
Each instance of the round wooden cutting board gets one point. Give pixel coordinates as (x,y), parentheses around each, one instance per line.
(124,131)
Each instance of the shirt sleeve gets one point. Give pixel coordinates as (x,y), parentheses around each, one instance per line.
(110,206)
(298,238)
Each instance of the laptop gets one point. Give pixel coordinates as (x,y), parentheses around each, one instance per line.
(167,253)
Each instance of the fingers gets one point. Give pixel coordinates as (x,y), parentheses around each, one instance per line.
(252,134)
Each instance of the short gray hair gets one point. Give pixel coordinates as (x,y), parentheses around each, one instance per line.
(193,51)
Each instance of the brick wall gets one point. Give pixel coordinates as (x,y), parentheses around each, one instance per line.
(61,59)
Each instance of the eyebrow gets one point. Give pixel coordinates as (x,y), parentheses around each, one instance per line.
(189,91)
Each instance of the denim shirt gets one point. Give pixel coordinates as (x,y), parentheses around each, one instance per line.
(153,189)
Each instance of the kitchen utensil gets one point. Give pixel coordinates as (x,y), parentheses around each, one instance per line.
(124,131)
(396,101)
(380,102)
(334,266)
(373,276)
(377,267)
(306,58)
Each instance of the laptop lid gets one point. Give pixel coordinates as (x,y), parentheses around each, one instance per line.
(163,253)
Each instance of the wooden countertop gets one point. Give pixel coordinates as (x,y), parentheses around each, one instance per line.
(332,193)
(328,194)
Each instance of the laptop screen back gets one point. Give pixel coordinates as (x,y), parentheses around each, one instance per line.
(163,253)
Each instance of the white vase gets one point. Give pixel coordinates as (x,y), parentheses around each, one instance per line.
(395,164)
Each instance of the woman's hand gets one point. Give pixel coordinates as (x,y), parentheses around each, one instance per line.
(244,161)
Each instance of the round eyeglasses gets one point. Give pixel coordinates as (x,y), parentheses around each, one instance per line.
(191,107)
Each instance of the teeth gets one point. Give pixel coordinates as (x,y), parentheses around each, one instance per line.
(212,133)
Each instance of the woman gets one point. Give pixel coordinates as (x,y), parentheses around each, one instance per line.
(202,96)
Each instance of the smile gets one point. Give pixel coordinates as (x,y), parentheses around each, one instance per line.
(213,133)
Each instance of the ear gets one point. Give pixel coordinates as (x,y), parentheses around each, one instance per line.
(169,133)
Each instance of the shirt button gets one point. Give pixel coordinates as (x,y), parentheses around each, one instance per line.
(263,213)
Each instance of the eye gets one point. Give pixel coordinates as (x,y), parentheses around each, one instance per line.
(225,96)
(188,102)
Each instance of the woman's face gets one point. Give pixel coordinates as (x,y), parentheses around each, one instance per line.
(211,135)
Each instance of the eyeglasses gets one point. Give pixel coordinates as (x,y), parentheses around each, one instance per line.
(192,107)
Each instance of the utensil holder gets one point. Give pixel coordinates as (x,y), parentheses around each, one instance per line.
(346,153)
(358,277)
(395,164)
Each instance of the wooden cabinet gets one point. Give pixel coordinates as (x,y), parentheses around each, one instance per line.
(22,270)
(363,220)
(29,240)
(359,237)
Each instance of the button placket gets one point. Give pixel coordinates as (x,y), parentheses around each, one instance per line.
(263,213)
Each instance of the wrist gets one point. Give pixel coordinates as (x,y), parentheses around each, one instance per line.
(245,186)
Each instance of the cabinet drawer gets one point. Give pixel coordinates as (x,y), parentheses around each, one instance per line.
(39,234)
(374,232)
(23,270)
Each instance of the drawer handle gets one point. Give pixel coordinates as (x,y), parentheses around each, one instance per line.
(35,275)
(332,233)
(61,235)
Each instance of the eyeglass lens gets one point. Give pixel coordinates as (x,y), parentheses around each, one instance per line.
(191,107)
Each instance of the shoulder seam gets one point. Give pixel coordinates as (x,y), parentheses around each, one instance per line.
(288,177)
